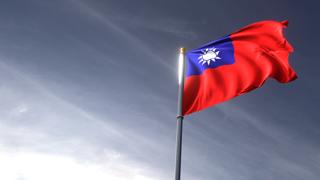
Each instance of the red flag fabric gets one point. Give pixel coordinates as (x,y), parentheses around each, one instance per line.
(236,64)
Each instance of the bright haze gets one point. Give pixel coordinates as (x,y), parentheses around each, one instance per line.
(88,91)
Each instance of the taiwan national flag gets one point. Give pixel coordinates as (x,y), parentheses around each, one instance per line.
(236,64)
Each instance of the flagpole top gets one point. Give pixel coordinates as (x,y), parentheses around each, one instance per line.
(182,50)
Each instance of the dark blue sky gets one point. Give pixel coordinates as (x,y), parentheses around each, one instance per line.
(88,90)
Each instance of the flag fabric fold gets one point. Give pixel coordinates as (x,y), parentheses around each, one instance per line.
(236,64)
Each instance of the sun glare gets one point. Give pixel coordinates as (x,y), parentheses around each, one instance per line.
(180,68)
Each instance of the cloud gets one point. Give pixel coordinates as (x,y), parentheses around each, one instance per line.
(39,166)
(176,27)
(130,38)
(45,137)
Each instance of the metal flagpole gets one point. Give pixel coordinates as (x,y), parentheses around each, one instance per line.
(179,114)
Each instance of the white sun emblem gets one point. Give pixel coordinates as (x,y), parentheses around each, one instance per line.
(208,55)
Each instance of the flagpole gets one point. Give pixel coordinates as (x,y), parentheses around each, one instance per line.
(179,113)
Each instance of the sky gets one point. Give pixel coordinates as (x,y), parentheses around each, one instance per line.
(88,90)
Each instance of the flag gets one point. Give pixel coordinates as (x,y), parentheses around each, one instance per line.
(236,64)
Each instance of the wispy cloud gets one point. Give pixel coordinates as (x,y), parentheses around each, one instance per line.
(175,27)
(38,166)
(135,41)
(41,131)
